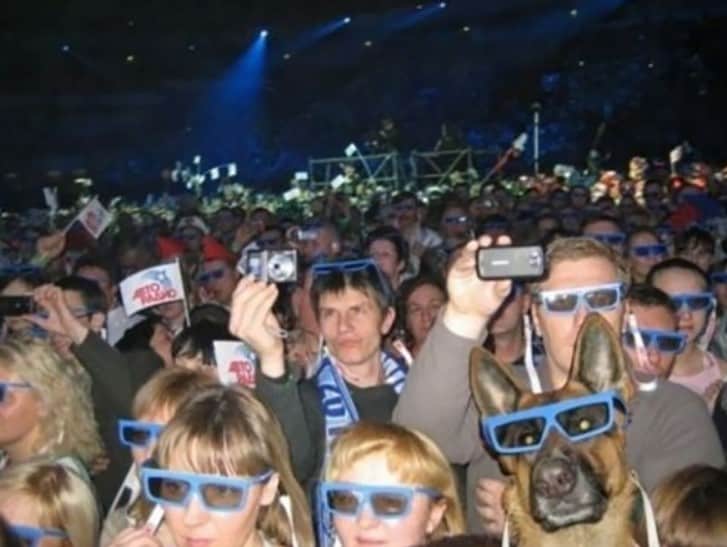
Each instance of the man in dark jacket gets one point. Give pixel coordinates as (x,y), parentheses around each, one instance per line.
(354,379)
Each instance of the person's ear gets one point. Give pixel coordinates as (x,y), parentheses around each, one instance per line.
(388,320)
(436,515)
(270,490)
(97,322)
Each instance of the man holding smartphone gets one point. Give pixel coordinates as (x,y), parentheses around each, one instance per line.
(670,426)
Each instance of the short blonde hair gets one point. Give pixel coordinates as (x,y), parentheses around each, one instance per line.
(167,389)
(413,457)
(63,499)
(68,426)
(691,506)
(225,430)
(579,248)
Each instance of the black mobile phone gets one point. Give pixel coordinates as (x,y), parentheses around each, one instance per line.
(16,305)
(511,262)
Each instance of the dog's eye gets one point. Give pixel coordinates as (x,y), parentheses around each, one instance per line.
(527,439)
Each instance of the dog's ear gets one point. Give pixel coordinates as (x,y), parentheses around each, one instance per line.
(494,389)
(598,361)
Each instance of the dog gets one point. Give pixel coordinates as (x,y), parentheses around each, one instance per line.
(570,484)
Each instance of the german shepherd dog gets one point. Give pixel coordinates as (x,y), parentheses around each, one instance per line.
(563,450)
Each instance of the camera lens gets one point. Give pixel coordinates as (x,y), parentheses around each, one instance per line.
(281,268)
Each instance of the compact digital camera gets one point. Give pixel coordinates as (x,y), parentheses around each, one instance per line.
(279,266)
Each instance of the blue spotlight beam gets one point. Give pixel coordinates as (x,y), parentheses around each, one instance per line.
(228,119)
(315,35)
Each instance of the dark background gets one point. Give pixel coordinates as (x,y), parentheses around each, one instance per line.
(652,71)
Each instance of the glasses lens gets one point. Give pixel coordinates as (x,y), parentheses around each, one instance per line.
(584,419)
(669,343)
(389,504)
(222,496)
(602,298)
(23,536)
(629,340)
(343,501)
(719,278)
(561,302)
(168,489)
(3,389)
(693,302)
(520,433)
(137,436)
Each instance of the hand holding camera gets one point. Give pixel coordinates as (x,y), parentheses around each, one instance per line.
(252,321)
(480,280)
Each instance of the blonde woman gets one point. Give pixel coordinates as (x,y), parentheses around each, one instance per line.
(387,484)
(223,476)
(44,408)
(47,502)
(154,406)
(690,508)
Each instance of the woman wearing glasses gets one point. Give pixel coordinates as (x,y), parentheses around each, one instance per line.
(48,503)
(222,474)
(45,410)
(644,250)
(388,485)
(688,287)
(154,405)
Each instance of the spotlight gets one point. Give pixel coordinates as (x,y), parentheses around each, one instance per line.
(420,7)
(347,20)
(263,34)
(465,28)
(443,5)
(192,47)
(574,13)
(368,43)
(65,48)
(130,58)
(287,57)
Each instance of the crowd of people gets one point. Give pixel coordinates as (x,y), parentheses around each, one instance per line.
(360,426)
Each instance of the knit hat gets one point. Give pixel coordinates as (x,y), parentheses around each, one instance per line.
(169,247)
(214,250)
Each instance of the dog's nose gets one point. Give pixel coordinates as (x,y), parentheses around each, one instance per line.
(554,478)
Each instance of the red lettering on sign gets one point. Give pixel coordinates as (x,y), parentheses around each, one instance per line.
(244,372)
(154,293)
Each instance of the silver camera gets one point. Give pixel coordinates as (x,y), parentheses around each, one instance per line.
(275,266)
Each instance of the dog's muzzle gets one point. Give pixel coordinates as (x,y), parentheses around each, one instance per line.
(565,490)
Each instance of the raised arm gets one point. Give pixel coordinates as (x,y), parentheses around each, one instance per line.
(436,398)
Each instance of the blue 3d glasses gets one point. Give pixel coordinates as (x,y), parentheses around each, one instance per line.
(577,420)
(347,499)
(215,492)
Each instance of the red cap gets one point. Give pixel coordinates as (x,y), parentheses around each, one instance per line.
(169,247)
(214,250)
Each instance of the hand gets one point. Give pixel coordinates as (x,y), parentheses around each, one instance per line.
(51,246)
(244,234)
(252,320)
(59,319)
(131,537)
(472,301)
(488,498)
